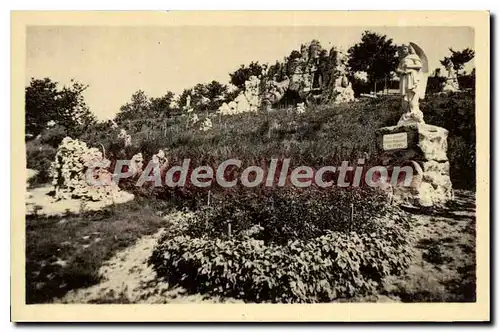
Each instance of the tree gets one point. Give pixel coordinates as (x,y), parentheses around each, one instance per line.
(137,108)
(46,102)
(205,97)
(458,59)
(375,54)
(242,74)
(160,106)
(277,71)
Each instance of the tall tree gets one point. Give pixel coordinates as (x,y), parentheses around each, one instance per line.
(160,106)
(242,74)
(205,97)
(375,54)
(46,102)
(458,59)
(137,108)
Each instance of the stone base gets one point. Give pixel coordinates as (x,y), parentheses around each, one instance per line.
(411,117)
(451,85)
(423,148)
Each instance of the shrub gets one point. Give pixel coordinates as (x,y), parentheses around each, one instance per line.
(456,113)
(467,81)
(435,84)
(333,265)
(287,245)
(290,213)
(39,157)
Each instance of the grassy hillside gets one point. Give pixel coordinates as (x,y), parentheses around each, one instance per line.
(323,135)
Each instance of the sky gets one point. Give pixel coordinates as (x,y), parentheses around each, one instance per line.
(117,61)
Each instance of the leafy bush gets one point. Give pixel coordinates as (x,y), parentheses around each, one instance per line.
(39,157)
(435,84)
(467,81)
(333,265)
(456,113)
(289,213)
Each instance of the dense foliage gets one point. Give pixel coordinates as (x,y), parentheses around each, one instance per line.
(296,252)
(46,104)
(290,213)
(458,59)
(243,74)
(375,54)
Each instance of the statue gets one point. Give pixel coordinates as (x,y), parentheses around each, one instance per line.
(451,84)
(413,71)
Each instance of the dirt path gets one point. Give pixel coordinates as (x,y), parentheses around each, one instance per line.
(444,265)
(126,278)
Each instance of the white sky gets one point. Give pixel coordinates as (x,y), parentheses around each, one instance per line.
(117,61)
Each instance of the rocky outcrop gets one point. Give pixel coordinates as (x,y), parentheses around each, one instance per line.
(136,164)
(422,147)
(160,158)
(301,108)
(81,172)
(246,101)
(274,92)
(206,124)
(314,75)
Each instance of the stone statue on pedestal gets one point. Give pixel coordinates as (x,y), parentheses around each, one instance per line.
(414,143)
(413,71)
(451,84)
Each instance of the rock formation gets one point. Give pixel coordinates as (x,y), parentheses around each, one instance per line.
(247,101)
(136,164)
(274,91)
(342,90)
(426,147)
(79,171)
(313,75)
(301,108)
(206,125)
(160,158)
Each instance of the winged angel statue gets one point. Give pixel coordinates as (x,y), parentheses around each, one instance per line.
(413,70)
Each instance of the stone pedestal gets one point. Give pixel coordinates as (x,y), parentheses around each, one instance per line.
(422,147)
(451,85)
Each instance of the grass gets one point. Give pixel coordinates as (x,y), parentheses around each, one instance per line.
(323,135)
(64,253)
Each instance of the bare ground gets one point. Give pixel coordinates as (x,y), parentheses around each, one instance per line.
(126,278)
(444,266)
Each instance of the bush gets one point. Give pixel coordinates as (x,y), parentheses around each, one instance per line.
(39,157)
(467,81)
(435,84)
(287,246)
(456,113)
(333,265)
(289,213)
